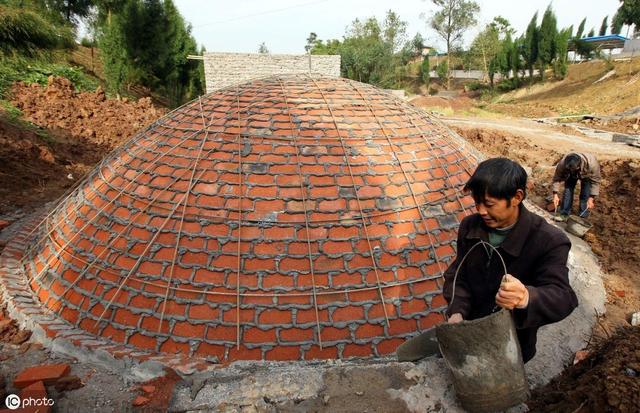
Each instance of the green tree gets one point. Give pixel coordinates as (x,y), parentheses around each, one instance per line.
(580,31)
(451,20)
(488,43)
(425,70)
(547,40)
(629,13)
(561,64)
(311,40)
(530,45)
(442,70)
(262,48)
(113,53)
(417,44)
(515,61)
(591,33)
(603,26)
(70,10)
(616,24)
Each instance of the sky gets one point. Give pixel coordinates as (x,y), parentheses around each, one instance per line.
(284,25)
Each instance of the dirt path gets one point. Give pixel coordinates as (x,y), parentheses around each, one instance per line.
(558,138)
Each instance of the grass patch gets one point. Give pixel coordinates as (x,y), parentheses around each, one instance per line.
(38,71)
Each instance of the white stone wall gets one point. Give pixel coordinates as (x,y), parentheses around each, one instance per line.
(228,69)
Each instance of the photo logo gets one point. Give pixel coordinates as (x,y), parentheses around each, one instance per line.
(12,401)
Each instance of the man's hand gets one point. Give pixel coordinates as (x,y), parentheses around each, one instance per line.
(455,318)
(591,203)
(556,200)
(512,294)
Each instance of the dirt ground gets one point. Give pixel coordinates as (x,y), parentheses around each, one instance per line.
(68,134)
(608,380)
(457,104)
(629,125)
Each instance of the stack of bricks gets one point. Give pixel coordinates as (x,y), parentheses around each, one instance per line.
(288,218)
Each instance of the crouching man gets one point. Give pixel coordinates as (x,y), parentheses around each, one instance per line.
(535,253)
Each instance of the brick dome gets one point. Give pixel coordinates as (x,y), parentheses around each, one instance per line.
(269,220)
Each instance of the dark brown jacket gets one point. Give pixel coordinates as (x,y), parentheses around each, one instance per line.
(535,252)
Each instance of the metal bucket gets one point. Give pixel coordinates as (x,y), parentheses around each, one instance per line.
(485,360)
(578,226)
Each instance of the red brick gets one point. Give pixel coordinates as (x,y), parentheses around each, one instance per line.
(324,192)
(269,248)
(222,333)
(414,306)
(276,280)
(186,329)
(330,206)
(312,234)
(376,311)
(438,301)
(389,346)
(369,331)
(356,350)
(172,347)
(206,349)
(203,312)
(283,353)
(287,299)
(143,342)
(294,264)
(296,334)
(256,335)
(342,279)
(422,287)
(279,233)
(348,313)
(337,247)
(400,326)
(247,315)
(309,316)
(335,334)
(325,353)
(274,316)
(36,391)
(369,192)
(258,264)
(275,205)
(48,374)
(430,320)
(151,324)
(244,353)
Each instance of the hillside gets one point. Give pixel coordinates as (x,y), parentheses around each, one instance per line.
(579,93)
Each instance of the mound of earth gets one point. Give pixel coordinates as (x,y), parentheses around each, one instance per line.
(455,103)
(608,380)
(629,125)
(88,115)
(76,130)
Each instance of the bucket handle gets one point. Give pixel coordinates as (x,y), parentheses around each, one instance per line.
(455,277)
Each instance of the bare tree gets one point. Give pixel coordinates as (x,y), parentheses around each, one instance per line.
(451,19)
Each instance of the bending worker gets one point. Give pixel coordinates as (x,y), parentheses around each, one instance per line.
(535,253)
(572,168)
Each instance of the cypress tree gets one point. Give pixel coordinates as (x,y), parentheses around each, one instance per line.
(547,40)
(530,46)
(580,31)
(603,27)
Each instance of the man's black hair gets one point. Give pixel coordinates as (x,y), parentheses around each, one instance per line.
(572,163)
(499,178)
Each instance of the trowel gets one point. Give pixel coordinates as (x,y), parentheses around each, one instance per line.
(419,347)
